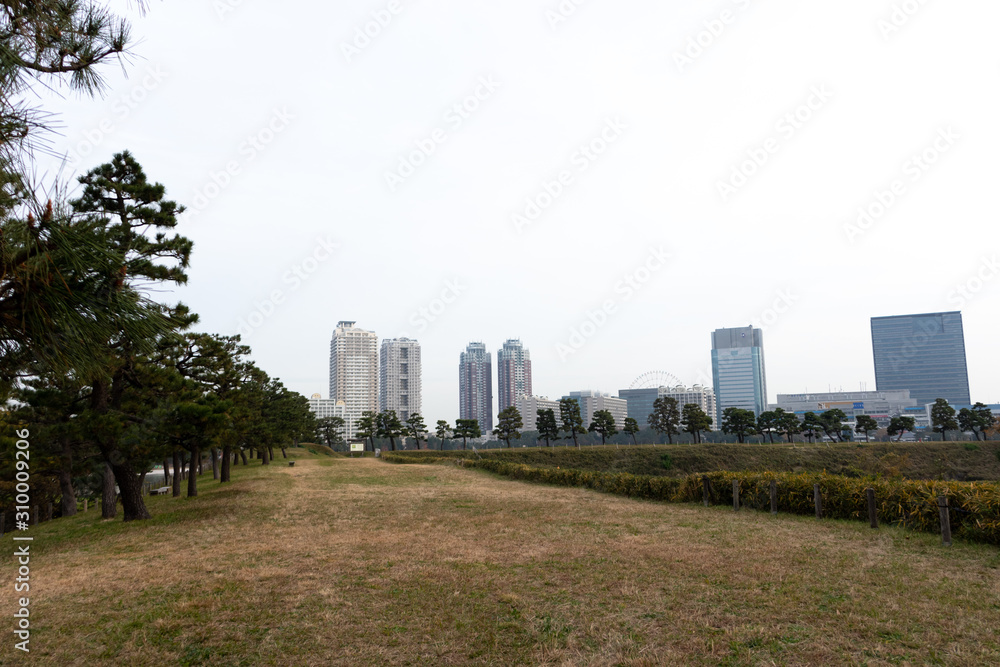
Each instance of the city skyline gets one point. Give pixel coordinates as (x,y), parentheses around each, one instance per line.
(636,217)
(709,403)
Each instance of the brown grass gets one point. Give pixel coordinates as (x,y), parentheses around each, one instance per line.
(356,562)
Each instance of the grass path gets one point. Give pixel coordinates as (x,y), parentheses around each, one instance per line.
(358,562)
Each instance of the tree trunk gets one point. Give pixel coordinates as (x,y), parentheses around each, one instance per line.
(109,501)
(215,463)
(243,455)
(266,459)
(284,453)
(227,459)
(199,458)
(130,488)
(68,504)
(166,472)
(178,473)
(192,477)
(270,453)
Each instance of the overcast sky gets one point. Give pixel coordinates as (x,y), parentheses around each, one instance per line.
(477,171)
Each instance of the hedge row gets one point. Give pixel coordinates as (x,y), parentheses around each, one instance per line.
(975,506)
(423,460)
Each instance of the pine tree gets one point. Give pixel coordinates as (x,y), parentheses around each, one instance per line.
(548,428)
(508,424)
(603,424)
(666,417)
(572,422)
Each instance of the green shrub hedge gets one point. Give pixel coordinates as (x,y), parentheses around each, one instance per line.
(975,506)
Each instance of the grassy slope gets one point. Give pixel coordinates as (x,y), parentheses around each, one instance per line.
(341,562)
(925,460)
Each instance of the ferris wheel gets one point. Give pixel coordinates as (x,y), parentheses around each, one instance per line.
(654,379)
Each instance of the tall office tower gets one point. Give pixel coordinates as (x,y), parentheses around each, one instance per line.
(354,371)
(923,353)
(738,370)
(475,386)
(513,373)
(399,377)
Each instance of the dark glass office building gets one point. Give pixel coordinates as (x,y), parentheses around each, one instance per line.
(922,353)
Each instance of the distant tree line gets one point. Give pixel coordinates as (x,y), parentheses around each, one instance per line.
(670,422)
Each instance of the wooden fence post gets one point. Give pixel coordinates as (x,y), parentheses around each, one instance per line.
(736,495)
(945,520)
(84,504)
(774,496)
(704,489)
(48,513)
(818,500)
(872,510)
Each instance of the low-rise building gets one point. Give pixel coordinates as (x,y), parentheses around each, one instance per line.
(882,406)
(640,401)
(529,406)
(591,401)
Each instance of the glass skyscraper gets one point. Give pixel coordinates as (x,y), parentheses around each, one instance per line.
(738,370)
(923,353)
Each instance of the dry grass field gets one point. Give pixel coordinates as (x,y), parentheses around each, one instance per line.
(358,562)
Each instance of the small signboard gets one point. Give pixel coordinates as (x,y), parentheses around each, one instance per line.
(357,446)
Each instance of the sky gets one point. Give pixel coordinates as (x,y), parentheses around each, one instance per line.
(607,181)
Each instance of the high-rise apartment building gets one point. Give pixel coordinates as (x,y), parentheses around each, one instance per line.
(738,370)
(923,353)
(399,377)
(354,371)
(513,373)
(475,386)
